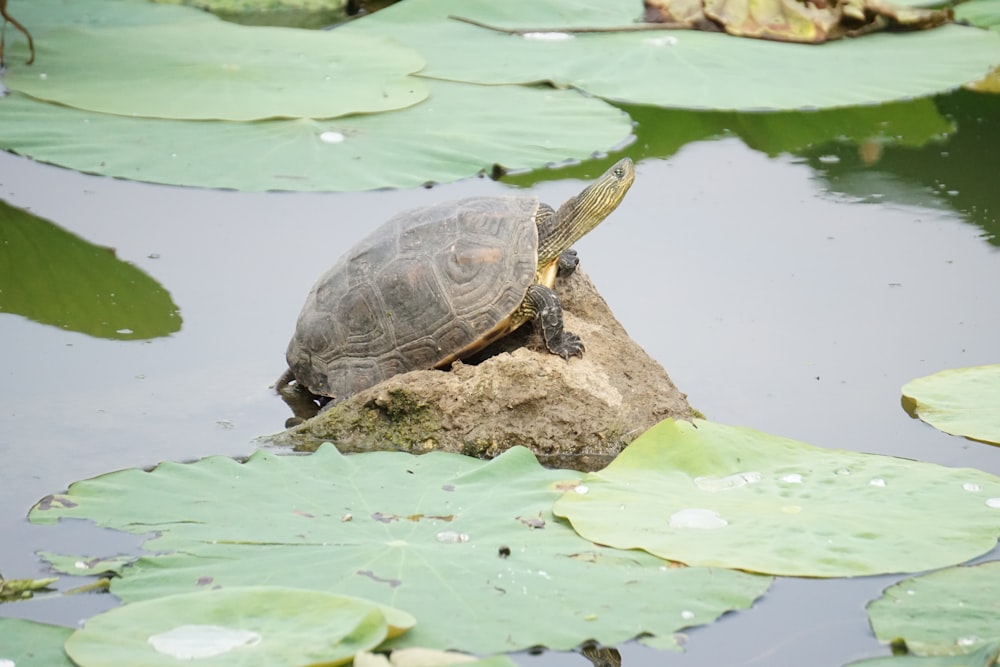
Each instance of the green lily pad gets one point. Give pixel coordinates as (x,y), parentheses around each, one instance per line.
(98,294)
(950,612)
(689,69)
(224,71)
(291,13)
(31,644)
(47,15)
(463,130)
(249,627)
(707,494)
(984,657)
(961,401)
(980,13)
(468,547)
(422,657)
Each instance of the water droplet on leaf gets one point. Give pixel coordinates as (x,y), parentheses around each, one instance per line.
(697,518)
(452,537)
(331,137)
(728,482)
(188,642)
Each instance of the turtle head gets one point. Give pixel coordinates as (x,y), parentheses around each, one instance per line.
(603,195)
(588,209)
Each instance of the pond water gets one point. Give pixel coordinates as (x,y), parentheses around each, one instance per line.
(794,294)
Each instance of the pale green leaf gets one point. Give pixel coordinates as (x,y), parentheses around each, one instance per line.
(948,612)
(984,657)
(41,16)
(961,401)
(980,13)
(708,494)
(427,534)
(461,131)
(679,68)
(423,657)
(254,626)
(30,644)
(218,70)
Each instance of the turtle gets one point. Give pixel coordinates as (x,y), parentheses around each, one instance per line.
(436,284)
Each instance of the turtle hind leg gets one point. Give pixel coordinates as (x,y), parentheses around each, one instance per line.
(542,305)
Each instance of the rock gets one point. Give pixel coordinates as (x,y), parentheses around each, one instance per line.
(573,414)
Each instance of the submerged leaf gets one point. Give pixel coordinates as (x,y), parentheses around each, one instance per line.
(468,547)
(949,612)
(708,494)
(961,401)
(98,294)
(21,589)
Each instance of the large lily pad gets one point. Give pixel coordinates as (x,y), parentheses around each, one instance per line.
(950,612)
(678,68)
(468,547)
(47,15)
(463,130)
(961,401)
(254,626)
(98,294)
(223,71)
(29,644)
(708,494)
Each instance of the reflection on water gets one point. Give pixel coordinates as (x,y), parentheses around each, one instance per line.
(958,172)
(51,276)
(928,152)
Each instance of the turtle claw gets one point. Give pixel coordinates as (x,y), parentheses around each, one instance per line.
(567,263)
(569,346)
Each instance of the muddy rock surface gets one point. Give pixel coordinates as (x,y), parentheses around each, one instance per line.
(574,414)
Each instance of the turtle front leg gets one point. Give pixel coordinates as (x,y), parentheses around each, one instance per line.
(542,305)
(567,263)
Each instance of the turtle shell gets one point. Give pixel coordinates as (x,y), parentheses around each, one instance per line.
(429,286)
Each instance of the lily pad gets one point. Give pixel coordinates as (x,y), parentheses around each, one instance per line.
(980,13)
(950,612)
(961,401)
(30,644)
(984,657)
(461,131)
(422,657)
(247,627)
(708,494)
(224,71)
(99,294)
(291,13)
(677,68)
(45,15)
(468,547)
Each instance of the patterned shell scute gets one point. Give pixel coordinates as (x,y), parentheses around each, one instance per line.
(428,283)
